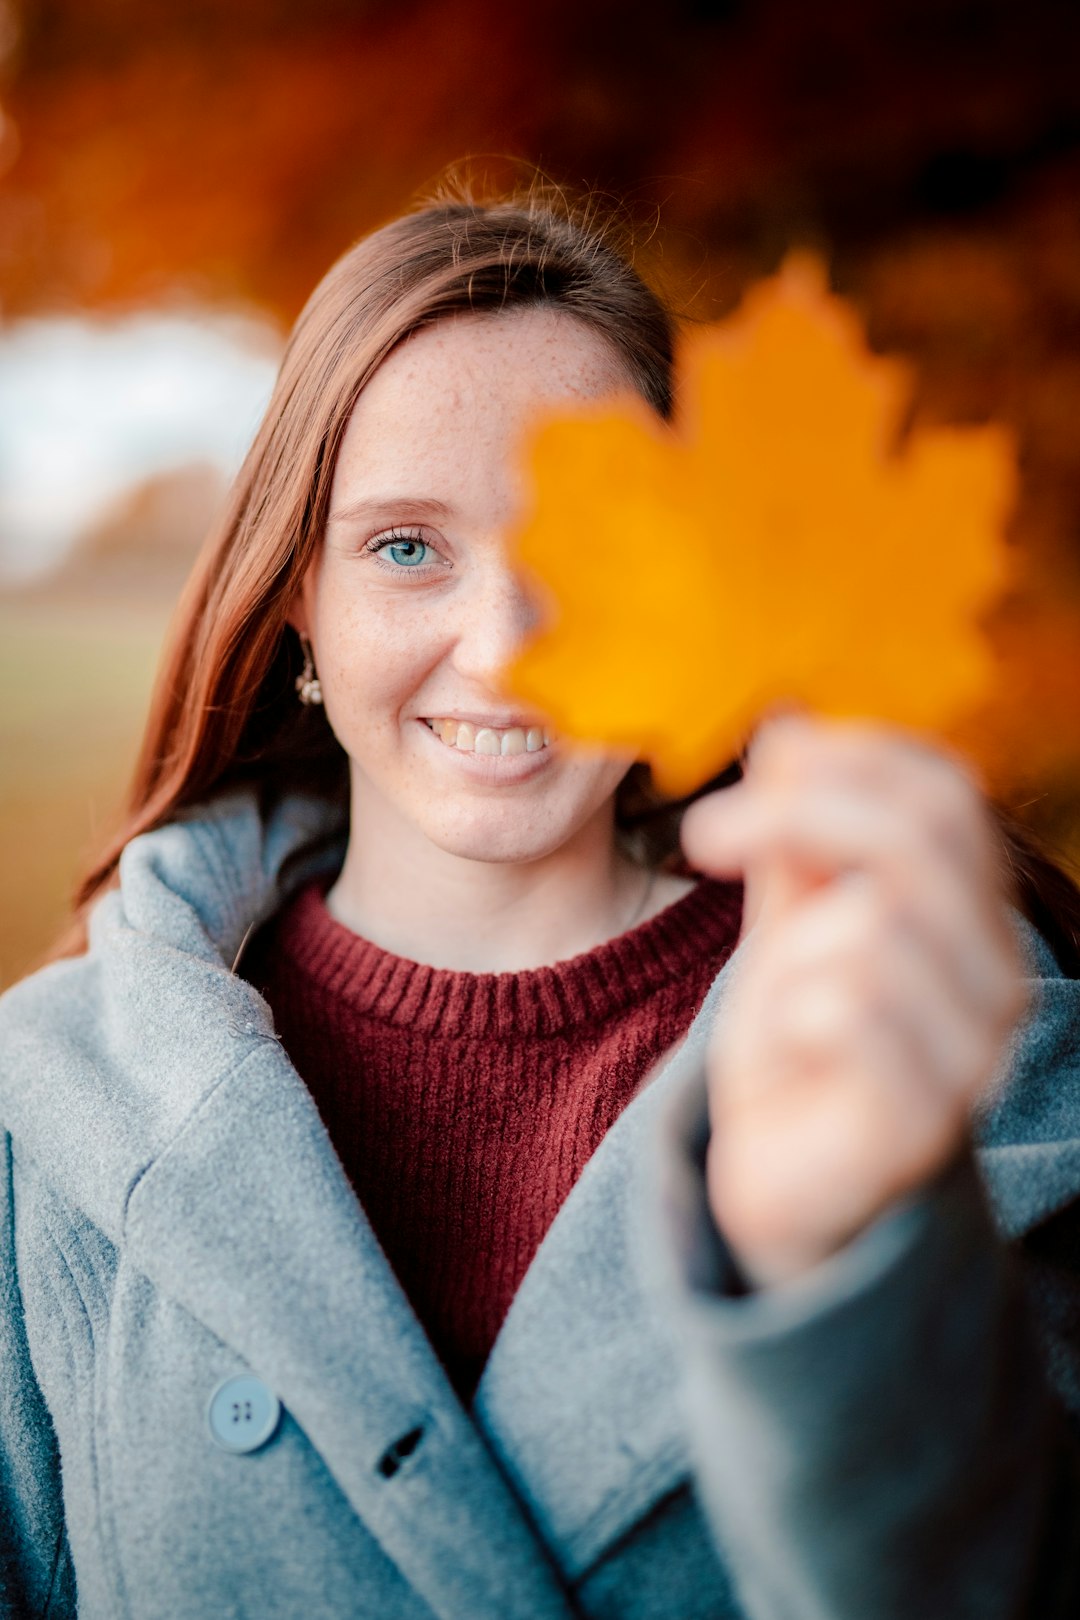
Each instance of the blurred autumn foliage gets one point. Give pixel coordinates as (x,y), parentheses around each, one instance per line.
(225,151)
(234,149)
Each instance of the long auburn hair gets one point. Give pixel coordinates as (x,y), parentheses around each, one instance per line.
(224,708)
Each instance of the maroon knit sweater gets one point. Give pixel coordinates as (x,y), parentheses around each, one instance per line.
(464,1106)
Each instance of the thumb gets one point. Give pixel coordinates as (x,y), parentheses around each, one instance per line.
(721,833)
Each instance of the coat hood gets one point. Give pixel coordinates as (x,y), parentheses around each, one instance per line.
(104,1055)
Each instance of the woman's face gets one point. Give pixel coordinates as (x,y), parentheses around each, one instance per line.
(412,608)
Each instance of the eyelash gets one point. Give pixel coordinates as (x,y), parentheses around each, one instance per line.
(396,537)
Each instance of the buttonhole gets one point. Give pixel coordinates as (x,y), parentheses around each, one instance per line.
(393,1457)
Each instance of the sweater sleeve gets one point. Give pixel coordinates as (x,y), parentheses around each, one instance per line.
(880,1437)
(34,1568)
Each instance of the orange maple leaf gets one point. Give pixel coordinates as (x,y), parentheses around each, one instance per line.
(778,545)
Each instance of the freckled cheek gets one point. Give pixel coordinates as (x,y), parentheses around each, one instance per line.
(371,671)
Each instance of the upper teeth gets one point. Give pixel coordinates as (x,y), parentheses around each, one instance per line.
(490,739)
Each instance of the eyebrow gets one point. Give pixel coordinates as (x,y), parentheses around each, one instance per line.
(375,507)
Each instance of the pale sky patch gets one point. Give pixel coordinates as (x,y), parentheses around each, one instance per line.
(89,409)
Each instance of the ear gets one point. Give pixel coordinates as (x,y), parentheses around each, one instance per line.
(298,612)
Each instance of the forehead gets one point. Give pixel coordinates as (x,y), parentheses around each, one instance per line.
(480,376)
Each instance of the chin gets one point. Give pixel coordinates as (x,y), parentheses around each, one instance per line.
(502,844)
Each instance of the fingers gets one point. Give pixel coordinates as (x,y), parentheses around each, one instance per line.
(931,792)
(875,753)
(835,833)
(841,973)
(820,800)
(843,805)
(797,1171)
(880,976)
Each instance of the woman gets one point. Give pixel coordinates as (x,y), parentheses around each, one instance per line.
(350,1264)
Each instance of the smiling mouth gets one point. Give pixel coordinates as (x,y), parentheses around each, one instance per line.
(471,739)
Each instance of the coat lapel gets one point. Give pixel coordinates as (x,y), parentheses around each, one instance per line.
(248,1221)
(580,1398)
(1026,1131)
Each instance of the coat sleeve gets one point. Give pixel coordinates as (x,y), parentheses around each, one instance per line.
(882,1437)
(35,1577)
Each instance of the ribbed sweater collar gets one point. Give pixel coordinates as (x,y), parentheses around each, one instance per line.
(584,989)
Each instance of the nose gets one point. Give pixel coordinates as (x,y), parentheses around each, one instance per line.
(495,619)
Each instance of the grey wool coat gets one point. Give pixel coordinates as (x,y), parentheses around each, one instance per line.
(216,1402)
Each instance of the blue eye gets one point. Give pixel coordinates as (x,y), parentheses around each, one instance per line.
(413,550)
(409,553)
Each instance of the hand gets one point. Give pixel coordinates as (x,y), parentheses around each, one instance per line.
(879,981)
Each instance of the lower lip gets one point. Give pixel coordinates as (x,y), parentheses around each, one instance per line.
(490,767)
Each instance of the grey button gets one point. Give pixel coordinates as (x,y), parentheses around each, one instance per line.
(243,1413)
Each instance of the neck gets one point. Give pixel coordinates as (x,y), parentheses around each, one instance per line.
(407,895)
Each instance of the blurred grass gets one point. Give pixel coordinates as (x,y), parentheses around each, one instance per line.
(76,679)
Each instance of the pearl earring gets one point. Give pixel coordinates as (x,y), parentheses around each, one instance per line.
(308,684)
